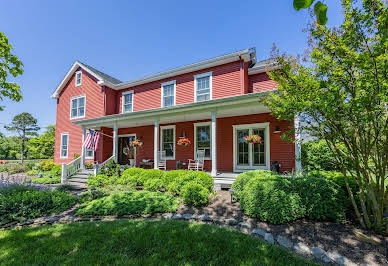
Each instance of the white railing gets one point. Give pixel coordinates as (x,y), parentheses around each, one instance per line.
(70,169)
(97,166)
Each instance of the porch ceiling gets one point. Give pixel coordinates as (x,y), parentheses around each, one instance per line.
(226,107)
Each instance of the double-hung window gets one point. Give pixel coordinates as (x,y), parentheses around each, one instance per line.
(203,87)
(167,141)
(64,145)
(168,93)
(127,101)
(77,107)
(89,154)
(202,138)
(78,78)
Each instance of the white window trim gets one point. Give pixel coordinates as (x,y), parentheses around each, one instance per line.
(172,82)
(122,101)
(71,106)
(76,73)
(161,139)
(207,74)
(264,126)
(60,149)
(195,138)
(89,157)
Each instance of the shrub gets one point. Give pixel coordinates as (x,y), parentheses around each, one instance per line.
(131,176)
(203,179)
(28,202)
(153,184)
(150,174)
(101,180)
(111,169)
(176,185)
(56,171)
(89,165)
(195,194)
(243,178)
(138,202)
(170,176)
(271,200)
(30,166)
(47,180)
(46,165)
(32,173)
(316,155)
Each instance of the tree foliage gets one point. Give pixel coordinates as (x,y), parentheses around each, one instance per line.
(342,94)
(9,65)
(25,126)
(42,147)
(320,9)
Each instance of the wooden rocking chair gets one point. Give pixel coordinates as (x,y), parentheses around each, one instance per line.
(162,165)
(198,163)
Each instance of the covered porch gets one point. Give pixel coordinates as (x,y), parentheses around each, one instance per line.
(217,126)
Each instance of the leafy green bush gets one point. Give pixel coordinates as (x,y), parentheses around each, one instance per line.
(139,202)
(203,179)
(47,180)
(195,194)
(111,169)
(56,171)
(243,178)
(46,165)
(14,168)
(170,176)
(96,193)
(131,176)
(316,155)
(89,165)
(101,180)
(271,200)
(153,184)
(277,199)
(150,174)
(32,173)
(177,180)
(27,202)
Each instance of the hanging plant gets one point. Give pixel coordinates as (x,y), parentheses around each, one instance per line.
(252,139)
(136,143)
(184,142)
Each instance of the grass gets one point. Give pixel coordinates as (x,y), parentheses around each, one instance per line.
(137,202)
(128,242)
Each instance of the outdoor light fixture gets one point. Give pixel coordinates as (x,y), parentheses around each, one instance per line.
(277,129)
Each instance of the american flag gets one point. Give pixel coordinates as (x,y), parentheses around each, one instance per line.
(92,139)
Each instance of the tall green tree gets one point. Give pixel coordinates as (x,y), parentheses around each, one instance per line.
(342,93)
(42,147)
(25,126)
(320,9)
(10,65)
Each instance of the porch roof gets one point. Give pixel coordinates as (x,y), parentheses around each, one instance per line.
(245,104)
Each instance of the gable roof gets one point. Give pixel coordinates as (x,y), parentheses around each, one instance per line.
(100,76)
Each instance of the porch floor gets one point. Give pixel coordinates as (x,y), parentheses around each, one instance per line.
(224,179)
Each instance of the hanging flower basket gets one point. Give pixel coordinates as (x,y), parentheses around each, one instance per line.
(184,142)
(136,143)
(252,139)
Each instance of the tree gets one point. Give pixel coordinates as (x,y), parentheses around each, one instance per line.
(320,9)
(9,65)
(342,94)
(25,125)
(42,147)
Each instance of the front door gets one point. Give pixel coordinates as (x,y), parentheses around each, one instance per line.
(127,153)
(251,156)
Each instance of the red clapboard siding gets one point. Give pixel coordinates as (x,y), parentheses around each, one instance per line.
(261,82)
(94,108)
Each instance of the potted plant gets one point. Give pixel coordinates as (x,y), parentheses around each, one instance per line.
(184,142)
(252,139)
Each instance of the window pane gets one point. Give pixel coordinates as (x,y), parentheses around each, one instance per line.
(128,108)
(74,112)
(203,97)
(81,102)
(89,153)
(168,141)
(203,89)
(64,139)
(203,139)
(128,98)
(81,111)
(168,101)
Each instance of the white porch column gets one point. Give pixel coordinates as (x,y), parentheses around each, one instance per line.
(156,143)
(83,152)
(115,142)
(298,163)
(214,144)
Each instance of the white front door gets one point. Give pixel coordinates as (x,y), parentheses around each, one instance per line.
(250,156)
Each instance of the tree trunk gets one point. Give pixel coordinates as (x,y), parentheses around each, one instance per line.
(22,153)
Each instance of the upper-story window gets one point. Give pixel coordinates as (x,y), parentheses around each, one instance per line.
(168,93)
(203,87)
(78,78)
(127,101)
(77,107)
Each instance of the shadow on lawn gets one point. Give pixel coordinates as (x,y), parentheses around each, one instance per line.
(138,242)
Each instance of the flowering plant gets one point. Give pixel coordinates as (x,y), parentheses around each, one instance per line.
(252,139)
(136,143)
(184,142)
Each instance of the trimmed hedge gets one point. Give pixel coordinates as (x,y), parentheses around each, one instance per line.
(194,194)
(278,199)
(27,202)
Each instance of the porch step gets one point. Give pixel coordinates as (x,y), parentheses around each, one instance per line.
(77,185)
(78,179)
(220,180)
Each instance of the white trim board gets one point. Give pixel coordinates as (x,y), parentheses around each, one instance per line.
(264,126)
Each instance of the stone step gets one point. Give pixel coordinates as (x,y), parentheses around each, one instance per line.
(83,173)
(80,176)
(79,180)
(77,184)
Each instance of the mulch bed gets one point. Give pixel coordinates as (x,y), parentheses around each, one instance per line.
(343,238)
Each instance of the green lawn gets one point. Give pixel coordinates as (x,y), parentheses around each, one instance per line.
(127,242)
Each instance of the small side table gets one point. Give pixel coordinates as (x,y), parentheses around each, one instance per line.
(146,165)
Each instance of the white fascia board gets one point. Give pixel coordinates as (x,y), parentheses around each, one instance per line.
(263,69)
(69,74)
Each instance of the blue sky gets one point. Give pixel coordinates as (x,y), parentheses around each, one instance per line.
(130,39)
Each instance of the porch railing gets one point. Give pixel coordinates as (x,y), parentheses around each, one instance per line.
(70,169)
(97,166)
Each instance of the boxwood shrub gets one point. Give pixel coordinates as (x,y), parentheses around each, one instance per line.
(131,176)
(278,199)
(194,194)
(18,202)
(153,184)
(150,174)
